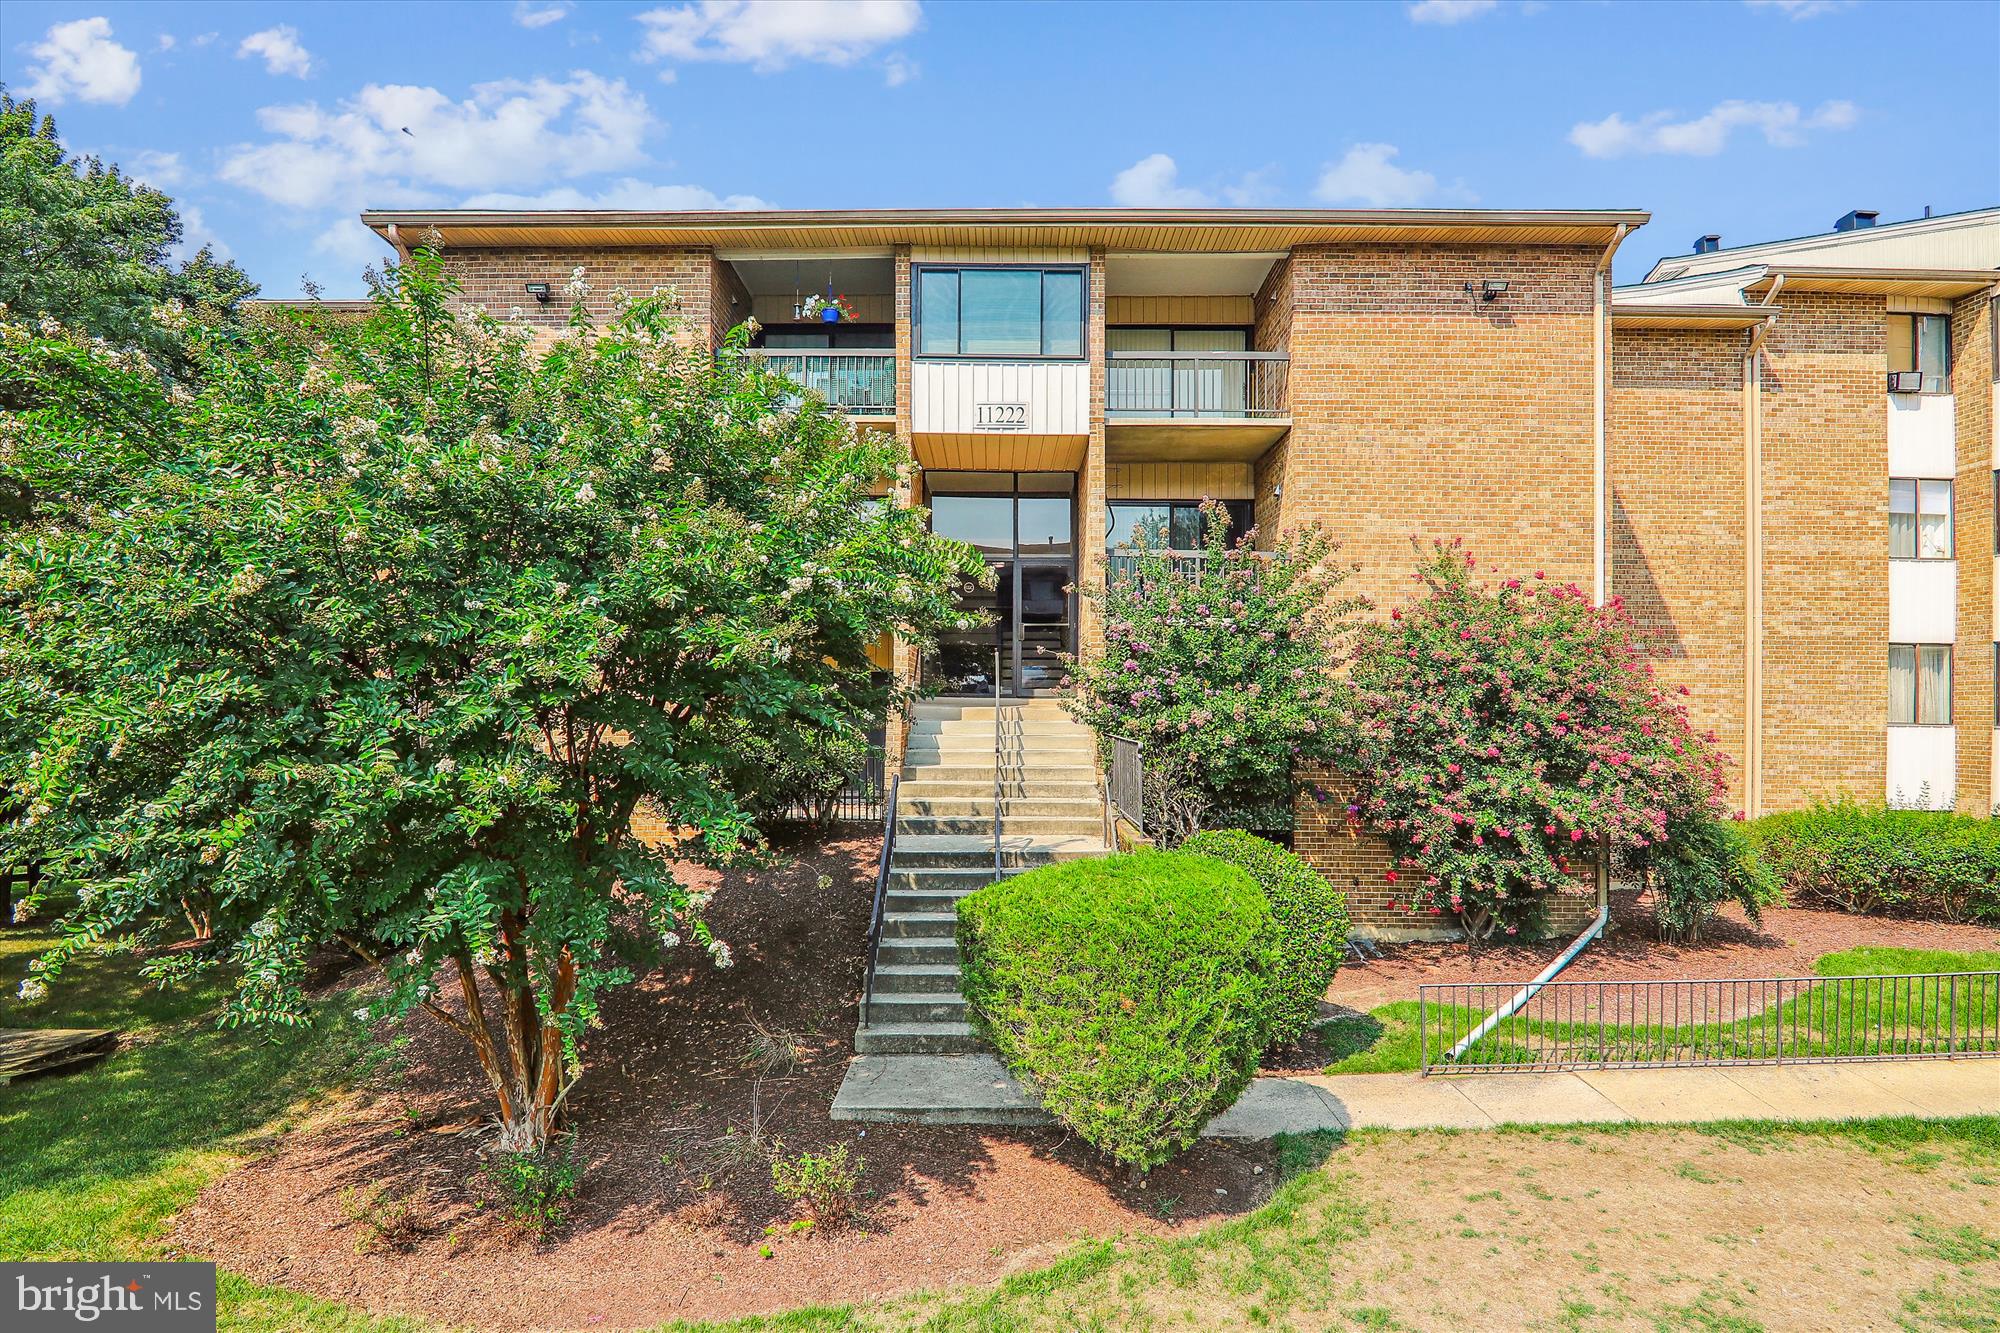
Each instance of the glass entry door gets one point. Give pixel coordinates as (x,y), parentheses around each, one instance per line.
(1024,524)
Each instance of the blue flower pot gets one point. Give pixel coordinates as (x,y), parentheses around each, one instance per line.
(830,315)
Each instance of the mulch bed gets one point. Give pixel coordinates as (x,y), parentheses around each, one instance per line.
(697,1071)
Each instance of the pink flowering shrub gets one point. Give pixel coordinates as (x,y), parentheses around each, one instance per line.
(1502,735)
(1225,670)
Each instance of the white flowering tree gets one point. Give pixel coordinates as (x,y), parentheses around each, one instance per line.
(379,637)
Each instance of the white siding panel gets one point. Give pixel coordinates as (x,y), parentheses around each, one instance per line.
(1923,762)
(944,395)
(1922,435)
(1923,601)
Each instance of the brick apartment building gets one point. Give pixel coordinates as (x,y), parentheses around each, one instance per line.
(1782,456)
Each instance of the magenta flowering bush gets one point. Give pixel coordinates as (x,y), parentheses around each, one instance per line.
(1503,735)
(1225,668)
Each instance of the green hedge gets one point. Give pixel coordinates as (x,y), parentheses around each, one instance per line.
(1874,859)
(1133,992)
(1311,918)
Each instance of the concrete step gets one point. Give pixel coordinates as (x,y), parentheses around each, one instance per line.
(897,952)
(962,805)
(918,925)
(1012,789)
(973,710)
(1079,826)
(917,1039)
(1013,776)
(935,1090)
(917,1006)
(959,880)
(950,852)
(932,900)
(954,754)
(1011,729)
(898,978)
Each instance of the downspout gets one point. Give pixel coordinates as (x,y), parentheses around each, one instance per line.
(1600,469)
(1753,559)
(1547,974)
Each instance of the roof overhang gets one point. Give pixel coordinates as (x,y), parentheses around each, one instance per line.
(1660,315)
(1942,282)
(1215,230)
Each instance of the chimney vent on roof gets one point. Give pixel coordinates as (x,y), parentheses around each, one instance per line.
(1855,221)
(1707,245)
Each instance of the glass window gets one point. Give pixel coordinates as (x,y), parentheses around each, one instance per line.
(1922,342)
(1174,525)
(1920,525)
(1000,312)
(1919,684)
(984,521)
(1045,524)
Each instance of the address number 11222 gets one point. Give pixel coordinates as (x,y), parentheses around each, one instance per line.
(1000,416)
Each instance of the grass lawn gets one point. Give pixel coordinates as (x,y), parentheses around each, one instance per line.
(1386,1039)
(98,1161)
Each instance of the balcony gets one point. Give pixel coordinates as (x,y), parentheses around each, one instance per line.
(861,384)
(1194,406)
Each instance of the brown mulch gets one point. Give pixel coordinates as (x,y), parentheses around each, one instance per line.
(672,1219)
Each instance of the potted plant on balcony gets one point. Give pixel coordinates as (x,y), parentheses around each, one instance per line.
(829,309)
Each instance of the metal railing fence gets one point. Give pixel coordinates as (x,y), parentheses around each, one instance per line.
(1127,780)
(1728,1021)
(881,896)
(1195,384)
(859,383)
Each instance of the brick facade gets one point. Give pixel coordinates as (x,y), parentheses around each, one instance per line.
(1972,370)
(493,280)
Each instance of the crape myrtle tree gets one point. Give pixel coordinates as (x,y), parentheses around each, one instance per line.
(1226,670)
(378,637)
(1503,735)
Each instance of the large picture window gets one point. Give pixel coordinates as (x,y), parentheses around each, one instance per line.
(1919,519)
(1166,525)
(1919,684)
(1000,312)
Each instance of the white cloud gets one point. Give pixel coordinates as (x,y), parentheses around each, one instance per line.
(771,34)
(79,59)
(1154,182)
(1450,11)
(1802,9)
(628,193)
(1782,124)
(205,39)
(351,243)
(164,42)
(399,141)
(530,15)
(162,171)
(898,70)
(280,49)
(1365,175)
(195,233)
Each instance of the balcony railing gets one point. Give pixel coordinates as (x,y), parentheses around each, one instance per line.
(1193,385)
(1180,564)
(861,384)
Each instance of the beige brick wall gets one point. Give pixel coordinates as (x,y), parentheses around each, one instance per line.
(1678,525)
(1826,545)
(493,280)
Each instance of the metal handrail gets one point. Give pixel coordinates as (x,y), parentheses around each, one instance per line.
(1215,385)
(881,895)
(996,765)
(1197,356)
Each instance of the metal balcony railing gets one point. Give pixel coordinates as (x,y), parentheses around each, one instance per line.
(861,384)
(1193,385)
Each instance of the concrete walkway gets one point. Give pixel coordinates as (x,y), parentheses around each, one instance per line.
(977,1090)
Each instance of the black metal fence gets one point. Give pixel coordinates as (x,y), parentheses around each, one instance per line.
(856,801)
(1652,1024)
(1127,780)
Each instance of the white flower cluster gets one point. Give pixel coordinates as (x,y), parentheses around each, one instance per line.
(33,989)
(719,953)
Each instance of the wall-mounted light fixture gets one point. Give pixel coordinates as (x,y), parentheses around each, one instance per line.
(540,291)
(1489,290)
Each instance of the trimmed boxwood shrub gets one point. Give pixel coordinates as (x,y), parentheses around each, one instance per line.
(1133,992)
(1311,917)
(1877,859)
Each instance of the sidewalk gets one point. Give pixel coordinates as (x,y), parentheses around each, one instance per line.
(976,1090)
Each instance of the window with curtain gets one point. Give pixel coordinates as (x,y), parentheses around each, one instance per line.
(1919,519)
(1000,312)
(1923,343)
(1919,684)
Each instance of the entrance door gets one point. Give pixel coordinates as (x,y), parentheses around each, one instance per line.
(1024,524)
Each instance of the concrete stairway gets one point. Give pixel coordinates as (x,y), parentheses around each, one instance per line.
(1051,809)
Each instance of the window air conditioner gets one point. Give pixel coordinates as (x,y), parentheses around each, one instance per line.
(1906,381)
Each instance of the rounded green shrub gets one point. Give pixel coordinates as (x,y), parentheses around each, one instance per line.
(1132,992)
(1877,859)
(1311,917)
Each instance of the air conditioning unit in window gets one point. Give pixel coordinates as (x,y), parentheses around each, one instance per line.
(1906,381)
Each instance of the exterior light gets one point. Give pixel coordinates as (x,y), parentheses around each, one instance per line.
(540,291)
(1489,290)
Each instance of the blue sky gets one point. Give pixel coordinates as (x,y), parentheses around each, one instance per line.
(273,124)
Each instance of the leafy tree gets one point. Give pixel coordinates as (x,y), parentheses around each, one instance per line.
(1503,735)
(1225,669)
(380,635)
(88,247)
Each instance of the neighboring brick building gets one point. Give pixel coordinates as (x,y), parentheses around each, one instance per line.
(1715,445)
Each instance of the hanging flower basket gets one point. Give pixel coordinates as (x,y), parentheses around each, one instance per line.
(828,309)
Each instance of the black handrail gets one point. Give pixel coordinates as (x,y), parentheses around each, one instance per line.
(881,895)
